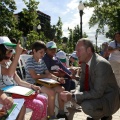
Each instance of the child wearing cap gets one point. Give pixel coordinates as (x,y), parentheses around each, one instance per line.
(36,69)
(55,66)
(73,60)
(61,55)
(8,76)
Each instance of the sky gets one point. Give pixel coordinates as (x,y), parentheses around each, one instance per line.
(68,11)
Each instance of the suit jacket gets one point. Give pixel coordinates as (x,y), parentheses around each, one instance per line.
(102,83)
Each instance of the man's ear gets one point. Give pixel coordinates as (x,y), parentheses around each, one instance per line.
(34,50)
(89,50)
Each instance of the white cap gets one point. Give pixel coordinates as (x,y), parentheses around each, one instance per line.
(51,45)
(6,41)
(61,55)
(74,55)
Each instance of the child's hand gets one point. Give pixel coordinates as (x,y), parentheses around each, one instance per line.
(19,48)
(61,80)
(7,103)
(36,88)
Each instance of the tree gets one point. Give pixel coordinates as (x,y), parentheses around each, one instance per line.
(59,30)
(29,21)
(106,12)
(74,36)
(70,43)
(8,22)
(48,31)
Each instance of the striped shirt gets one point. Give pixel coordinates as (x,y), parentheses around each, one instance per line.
(38,67)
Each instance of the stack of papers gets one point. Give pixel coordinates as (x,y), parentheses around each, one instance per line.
(15,110)
(18,90)
(48,80)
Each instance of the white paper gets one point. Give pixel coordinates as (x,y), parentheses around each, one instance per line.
(16,110)
(18,90)
(48,80)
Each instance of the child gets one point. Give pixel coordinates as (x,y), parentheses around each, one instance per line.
(36,69)
(8,76)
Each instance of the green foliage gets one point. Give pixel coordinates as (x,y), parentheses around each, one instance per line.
(15,33)
(34,36)
(30,15)
(49,31)
(29,21)
(59,30)
(74,36)
(31,38)
(8,22)
(106,12)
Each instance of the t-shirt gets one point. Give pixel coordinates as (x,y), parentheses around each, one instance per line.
(39,68)
(114,56)
(6,80)
(54,64)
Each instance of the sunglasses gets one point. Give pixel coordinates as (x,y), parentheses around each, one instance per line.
(9,51)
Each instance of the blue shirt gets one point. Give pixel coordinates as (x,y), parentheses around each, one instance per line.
(38,67)
(51,62)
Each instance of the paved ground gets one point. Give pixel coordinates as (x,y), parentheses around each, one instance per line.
(79,116)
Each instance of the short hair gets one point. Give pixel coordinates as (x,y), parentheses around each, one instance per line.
(38,45)
(87,43)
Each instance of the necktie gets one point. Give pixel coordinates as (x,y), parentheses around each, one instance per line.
(86,78)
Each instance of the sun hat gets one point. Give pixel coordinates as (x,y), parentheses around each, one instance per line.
(61,55)
(74,55)
(6,42)
(51,45)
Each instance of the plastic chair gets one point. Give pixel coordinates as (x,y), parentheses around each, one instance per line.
(22,63)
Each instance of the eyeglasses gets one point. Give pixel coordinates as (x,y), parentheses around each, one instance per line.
(9,51)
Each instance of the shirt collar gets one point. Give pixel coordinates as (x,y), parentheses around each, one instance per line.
(89,62)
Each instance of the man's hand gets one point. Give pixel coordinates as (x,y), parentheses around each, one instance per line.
(7,103)
(66,96)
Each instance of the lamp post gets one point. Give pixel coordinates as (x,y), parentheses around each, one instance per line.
(39,28)
(96,36)
(81,8)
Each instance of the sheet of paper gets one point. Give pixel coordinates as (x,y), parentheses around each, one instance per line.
(13,115)
(18,90)
(48,80)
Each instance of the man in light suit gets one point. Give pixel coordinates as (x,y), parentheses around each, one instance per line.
(101,100)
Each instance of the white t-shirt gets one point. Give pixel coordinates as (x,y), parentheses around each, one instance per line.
(114,56)
(6,80)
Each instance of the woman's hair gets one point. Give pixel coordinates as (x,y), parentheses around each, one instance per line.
(118,32)
(13,40)
(3,52)
(38,45)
